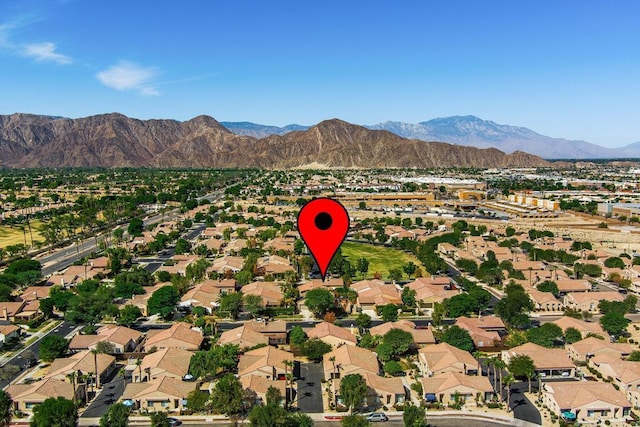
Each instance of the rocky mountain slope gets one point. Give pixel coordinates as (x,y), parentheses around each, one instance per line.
(116,140)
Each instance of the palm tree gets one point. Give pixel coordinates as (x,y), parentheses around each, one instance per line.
(500,365)
(139,365)
(479,355)
(72,377)
(508,380)
(6,406)
(287,364)
(332,359)
(95,364)
(211,322)
(491,363)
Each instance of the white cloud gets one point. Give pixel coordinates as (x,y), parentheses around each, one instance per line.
(45,51)
(126,76)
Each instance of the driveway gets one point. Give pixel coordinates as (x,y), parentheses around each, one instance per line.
(110,393)
(310,387)
(523,408)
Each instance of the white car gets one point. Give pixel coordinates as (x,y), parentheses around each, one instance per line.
(377,417)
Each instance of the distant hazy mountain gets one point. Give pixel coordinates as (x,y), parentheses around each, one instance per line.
(631,150)
(475,132)
(260,131)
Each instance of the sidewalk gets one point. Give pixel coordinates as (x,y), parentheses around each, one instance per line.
(5,358)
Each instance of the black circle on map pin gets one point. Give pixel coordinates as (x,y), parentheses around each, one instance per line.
(323,224)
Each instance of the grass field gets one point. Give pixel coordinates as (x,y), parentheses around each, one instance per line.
(380,258)
(14,235)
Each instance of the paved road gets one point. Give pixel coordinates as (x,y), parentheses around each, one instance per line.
(110,393)
(523,408)
(310,387)
(61,330)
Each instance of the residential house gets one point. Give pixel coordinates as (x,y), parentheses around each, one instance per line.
(585,328)
(160,395)
(543,301)
(625,374)
(330,284)
(383,391)
(268,362)
(141,300)
(375,293)
(430,291)
(588,301)
(270,292)
(444,358)
(583,350)
(207,294)
(34,293)
(573,286)
(456,388)
(179,335)
(8,332)
(260,384)
(485,331)
(586,402)
(25,397)
(83,361)
(254,333)
(421,336)
(349,359)
(20,311)
(168,362)
(549,362)
(332,334)
(229,263)
(274,265)
(122,339)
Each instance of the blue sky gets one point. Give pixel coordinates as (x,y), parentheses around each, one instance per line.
(562,68)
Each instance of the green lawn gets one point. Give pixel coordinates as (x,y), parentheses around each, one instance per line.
(380,258)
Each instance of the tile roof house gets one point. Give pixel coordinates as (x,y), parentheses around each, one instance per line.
(585,401)
(447,387)
(253,333)
(421,337)
(549,362)
(588,301)
(27,396)
(484,330)
(34,293)
(159,395)
(588,347)
(373,293)
(168,362)
(83,361)
(382,390)
(122,338)
(625,374)
(445,358)
(573,286)
(179,335)
(226,263)
(329,283)
(268,362)
(270,292)
(584,327)
(543,301)
(349,359)
(260,384)
(8,332)
(332,334)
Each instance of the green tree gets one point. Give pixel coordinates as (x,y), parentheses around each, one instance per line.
(363,321)
(614,323)
(362,265)
(546,335)
(159,419)
(572,335)
(182,246)
(129,315)
(6,408)
(408,297)
(409,268)
(514,306)
(315,348)
(522,366)
(389,312)
(198,401)
(395,274)
(53,346)
(227,396)
(614,262)
(269,415)
(163,301)
(55,412)
(47,305)
(394,343)
(458,337)
(549,286)
(354,420)
(392,367)
(414,416)
(353,389)
(136,226)
(439,311)
(231,304)
(253,304)
(634,356)
(297,336)
(116,416)
(319,301)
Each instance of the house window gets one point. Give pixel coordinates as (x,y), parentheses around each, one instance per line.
(590,413)
(164,403)
(150,403)
(29,405)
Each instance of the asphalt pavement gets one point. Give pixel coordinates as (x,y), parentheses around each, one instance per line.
(310,387)
(110,393)
(62,330)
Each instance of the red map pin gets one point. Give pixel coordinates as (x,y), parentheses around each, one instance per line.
(323,224)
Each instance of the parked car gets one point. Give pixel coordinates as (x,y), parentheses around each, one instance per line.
(174,422)
(377,417)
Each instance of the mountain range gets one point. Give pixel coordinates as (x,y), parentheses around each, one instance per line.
(113,140)
(475,132)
